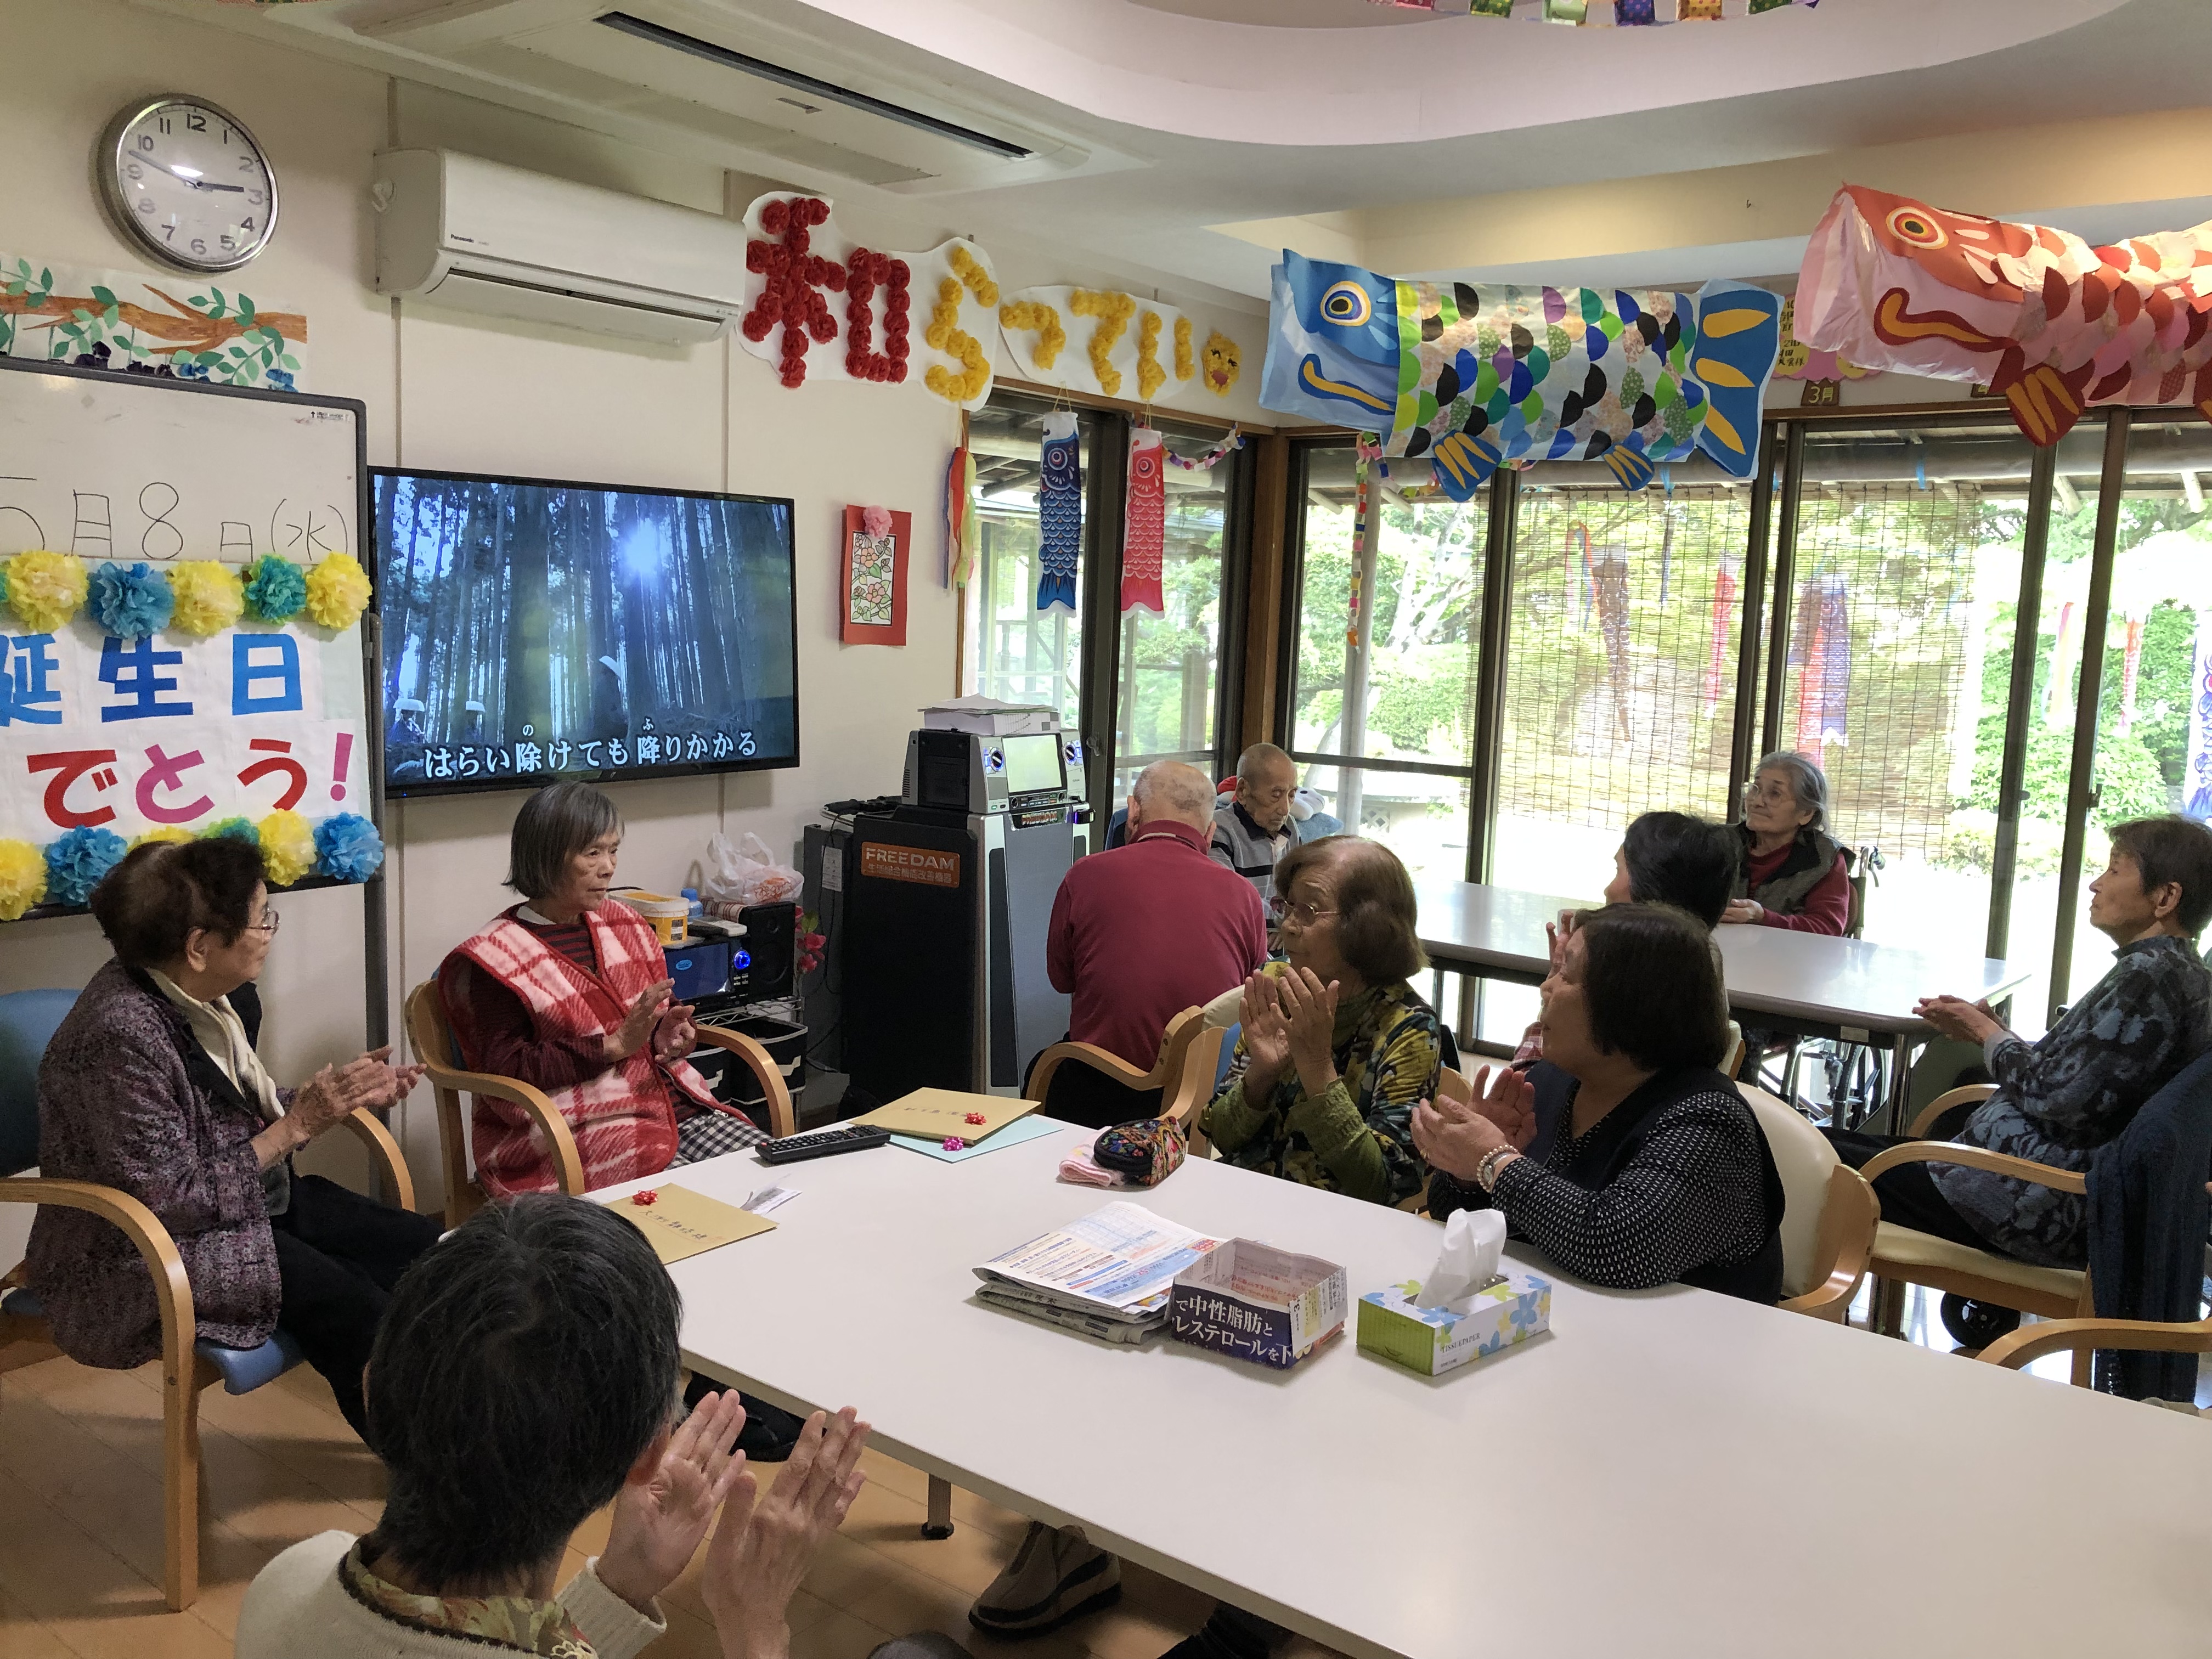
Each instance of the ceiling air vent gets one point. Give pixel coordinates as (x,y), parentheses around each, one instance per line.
(811,87)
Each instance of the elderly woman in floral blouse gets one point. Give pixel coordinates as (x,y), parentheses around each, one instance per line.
(1336,1047)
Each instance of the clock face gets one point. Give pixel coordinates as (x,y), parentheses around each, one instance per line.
(189,183)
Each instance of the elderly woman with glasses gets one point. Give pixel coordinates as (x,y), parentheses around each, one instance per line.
(151,1086)
(1336,1047)
(1793,874)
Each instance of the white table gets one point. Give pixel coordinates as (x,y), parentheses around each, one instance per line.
(1666,1472)
(1804,984)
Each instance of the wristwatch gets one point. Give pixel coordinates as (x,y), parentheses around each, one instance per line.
(1485,1173)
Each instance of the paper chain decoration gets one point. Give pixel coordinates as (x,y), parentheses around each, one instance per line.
(1622,14)
(1212,458)
(1478,378)
(2053,326)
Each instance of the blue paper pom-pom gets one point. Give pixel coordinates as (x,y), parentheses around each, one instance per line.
(133,602)
(275,588)
(347,848)
(75,863)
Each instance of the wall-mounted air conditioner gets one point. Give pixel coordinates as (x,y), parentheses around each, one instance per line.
(463,232)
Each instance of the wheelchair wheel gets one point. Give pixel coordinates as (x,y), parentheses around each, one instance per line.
(1977,1324)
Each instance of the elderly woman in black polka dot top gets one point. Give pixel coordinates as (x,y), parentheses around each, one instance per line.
(1623,1154)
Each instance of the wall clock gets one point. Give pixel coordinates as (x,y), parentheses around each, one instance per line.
(185,180)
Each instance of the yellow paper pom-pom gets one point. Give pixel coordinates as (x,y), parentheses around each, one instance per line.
(338,591)
(22,877)
(45,590)
(170,832)
(209,596)
(287,847)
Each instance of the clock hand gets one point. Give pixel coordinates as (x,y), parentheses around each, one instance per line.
(195,183)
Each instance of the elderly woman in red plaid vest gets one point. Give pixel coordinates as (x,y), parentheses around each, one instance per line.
(570,995)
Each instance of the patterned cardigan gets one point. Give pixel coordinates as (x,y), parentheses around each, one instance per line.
(1358,1138)
(128,1099)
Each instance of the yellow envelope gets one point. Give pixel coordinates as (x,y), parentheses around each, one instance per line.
(680,1222)
(934,1114)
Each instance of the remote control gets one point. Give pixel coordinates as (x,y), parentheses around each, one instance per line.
(822,1143)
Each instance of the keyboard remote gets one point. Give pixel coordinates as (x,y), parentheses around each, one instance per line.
(822,1143)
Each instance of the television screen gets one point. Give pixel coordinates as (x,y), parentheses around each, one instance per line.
(536,630)
(1033,764)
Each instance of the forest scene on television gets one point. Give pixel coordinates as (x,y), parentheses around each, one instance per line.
(532,631)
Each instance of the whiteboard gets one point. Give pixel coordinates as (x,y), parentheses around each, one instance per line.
(108,467)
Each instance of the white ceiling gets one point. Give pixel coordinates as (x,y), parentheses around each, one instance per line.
(1156,119)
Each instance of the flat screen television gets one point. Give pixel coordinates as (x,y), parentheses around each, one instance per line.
(537,630)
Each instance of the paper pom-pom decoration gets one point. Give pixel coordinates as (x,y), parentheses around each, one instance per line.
(338,591)
(275,588)
(168,832)
(131,602)
(347,848)
(44,589)
(23,877)
(236,828)
(210,596)
(75,863)
(287,847)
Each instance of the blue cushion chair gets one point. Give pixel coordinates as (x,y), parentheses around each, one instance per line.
(27,1022)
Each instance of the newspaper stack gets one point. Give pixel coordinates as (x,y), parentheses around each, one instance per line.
(1107,1275)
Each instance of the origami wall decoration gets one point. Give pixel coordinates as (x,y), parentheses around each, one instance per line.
(2053,325)
(1111,344)
(874,607)
(1478,378)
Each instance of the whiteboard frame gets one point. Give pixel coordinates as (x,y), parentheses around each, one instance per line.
(376,966)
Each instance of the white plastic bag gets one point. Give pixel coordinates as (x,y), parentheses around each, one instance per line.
(748,873)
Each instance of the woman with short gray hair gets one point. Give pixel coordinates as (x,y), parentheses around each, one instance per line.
(1793,874)
(570,995)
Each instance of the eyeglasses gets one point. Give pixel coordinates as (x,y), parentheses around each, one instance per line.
(266,924)
(1285,911)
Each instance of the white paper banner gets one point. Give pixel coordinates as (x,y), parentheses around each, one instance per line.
(132,735)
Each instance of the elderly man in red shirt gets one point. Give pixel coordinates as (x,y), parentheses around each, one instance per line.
(1144,931)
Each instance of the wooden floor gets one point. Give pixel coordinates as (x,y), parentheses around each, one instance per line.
(81,1537)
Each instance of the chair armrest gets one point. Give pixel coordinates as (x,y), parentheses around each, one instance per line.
(2031,1342)
(1974,1158)
(568,1165)
(172,1290)
(1091,1055)
(1848,1216)
(369,1130)
(1190,1091)
(781,1120)
(1944,1102)
(1488,1048)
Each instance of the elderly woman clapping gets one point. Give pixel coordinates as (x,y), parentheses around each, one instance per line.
(1793,873)
(150,1085)
(570,995)
(1624,1154)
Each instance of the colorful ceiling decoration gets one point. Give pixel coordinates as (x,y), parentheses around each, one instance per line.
(2051,324)
(1599,13)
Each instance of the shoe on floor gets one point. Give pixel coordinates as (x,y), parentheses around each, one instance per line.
(1056,1576)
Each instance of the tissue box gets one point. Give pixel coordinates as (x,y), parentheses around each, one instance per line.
(1434,1341)
(1254,1302)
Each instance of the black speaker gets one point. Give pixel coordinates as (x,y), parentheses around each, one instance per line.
(767,952)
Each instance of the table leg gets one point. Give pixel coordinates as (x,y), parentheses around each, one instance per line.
(1470,1020)
(939,1524)
(1900,1083)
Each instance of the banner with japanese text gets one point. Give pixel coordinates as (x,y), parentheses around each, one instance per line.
(169,730)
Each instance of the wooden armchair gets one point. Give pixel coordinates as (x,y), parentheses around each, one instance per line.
(2083,1336)
(1830,1220)
(1903,1256)
(27,1019)
(432,1042)
(1190,1052)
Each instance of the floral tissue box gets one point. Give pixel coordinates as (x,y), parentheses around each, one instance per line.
(1434,1341)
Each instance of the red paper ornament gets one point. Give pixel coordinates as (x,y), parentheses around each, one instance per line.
(646,1198)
